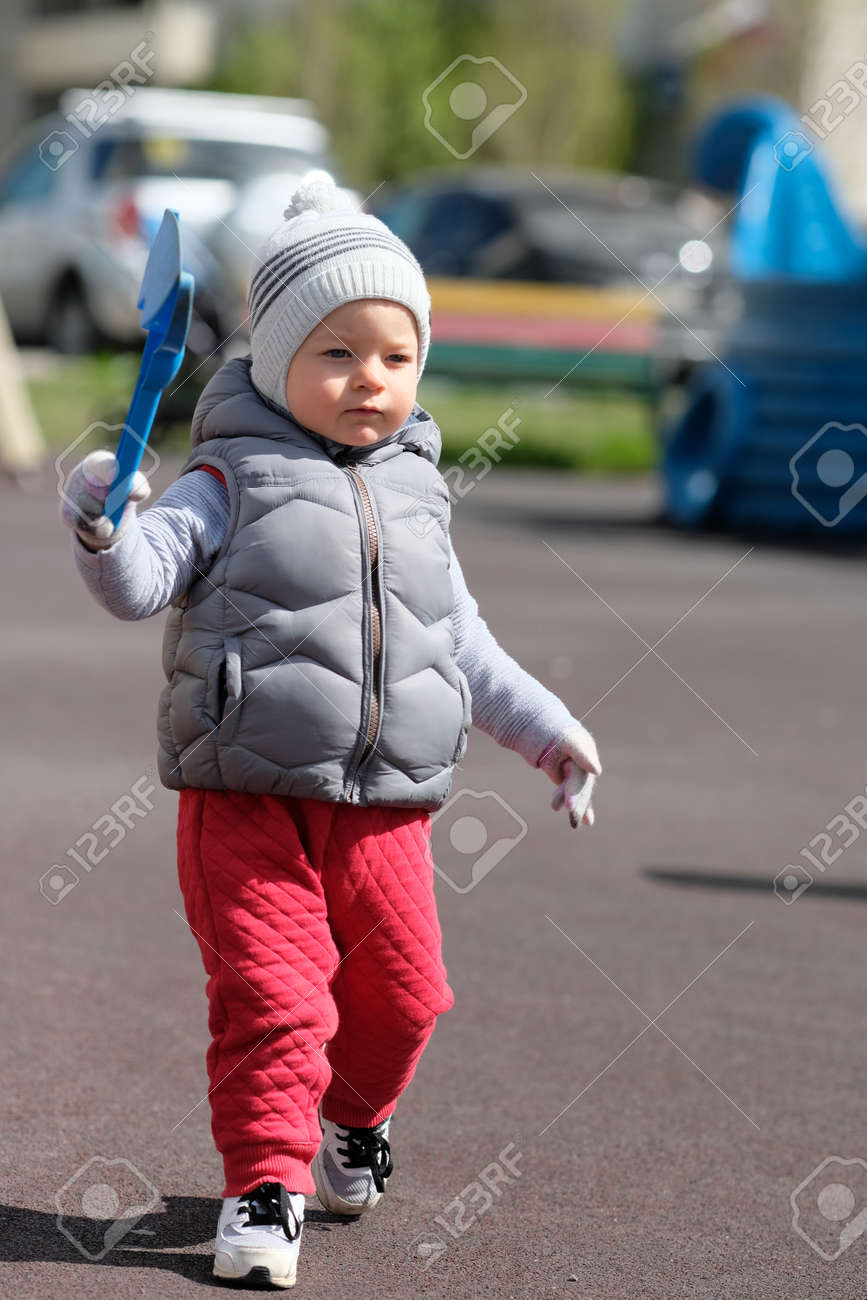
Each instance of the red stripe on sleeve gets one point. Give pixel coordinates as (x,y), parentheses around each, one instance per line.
(209,469)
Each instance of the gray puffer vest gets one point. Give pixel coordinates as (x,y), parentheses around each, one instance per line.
(316,655)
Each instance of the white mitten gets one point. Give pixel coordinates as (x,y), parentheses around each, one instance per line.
(82,505)
(572,763)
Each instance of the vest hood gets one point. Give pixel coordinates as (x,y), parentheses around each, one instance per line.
(231,405)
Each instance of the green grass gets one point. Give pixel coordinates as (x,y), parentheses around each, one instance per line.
(80,391)
(590,431)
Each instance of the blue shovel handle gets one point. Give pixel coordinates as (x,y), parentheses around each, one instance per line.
(167,303)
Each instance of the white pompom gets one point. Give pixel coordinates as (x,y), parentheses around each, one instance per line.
(317,193)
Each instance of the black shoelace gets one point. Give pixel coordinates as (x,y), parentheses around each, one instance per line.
(269,1203)
(366,1148)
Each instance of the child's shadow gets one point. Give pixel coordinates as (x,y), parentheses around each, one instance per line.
(156,1240)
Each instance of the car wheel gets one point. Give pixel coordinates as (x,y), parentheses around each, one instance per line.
(70,329)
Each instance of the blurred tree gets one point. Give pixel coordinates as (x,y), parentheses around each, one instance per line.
(365,65)
(577,112)
(683,58)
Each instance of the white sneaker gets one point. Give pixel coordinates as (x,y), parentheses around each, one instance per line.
(351,1166)
(259,1236)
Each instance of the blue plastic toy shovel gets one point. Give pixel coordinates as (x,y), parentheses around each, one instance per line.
(166,303)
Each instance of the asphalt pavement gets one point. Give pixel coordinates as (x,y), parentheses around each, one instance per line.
(651,1052)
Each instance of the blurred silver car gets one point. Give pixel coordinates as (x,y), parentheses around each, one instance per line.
(258,211)
(80,205)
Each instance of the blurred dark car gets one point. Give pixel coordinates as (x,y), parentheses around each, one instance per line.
(594,229)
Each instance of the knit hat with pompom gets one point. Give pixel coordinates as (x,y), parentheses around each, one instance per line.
(326,253)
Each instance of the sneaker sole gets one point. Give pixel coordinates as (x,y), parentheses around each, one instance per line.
(331,1201)
(260,1277)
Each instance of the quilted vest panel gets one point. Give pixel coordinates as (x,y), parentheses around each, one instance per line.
(273,683)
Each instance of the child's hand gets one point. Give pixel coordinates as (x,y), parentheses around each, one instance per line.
(82,505)
(576,792)
(572,763)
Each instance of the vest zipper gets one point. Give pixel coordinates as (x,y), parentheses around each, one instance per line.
(375,624)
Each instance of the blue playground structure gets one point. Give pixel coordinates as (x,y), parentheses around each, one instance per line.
(774,433)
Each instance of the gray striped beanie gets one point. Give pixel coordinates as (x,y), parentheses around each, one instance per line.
(326,253)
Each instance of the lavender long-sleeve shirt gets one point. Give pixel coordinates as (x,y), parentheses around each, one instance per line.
(159,555)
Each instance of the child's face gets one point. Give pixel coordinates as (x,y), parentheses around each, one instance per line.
(362,355)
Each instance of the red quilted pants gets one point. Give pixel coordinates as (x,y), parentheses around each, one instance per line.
(317,925)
